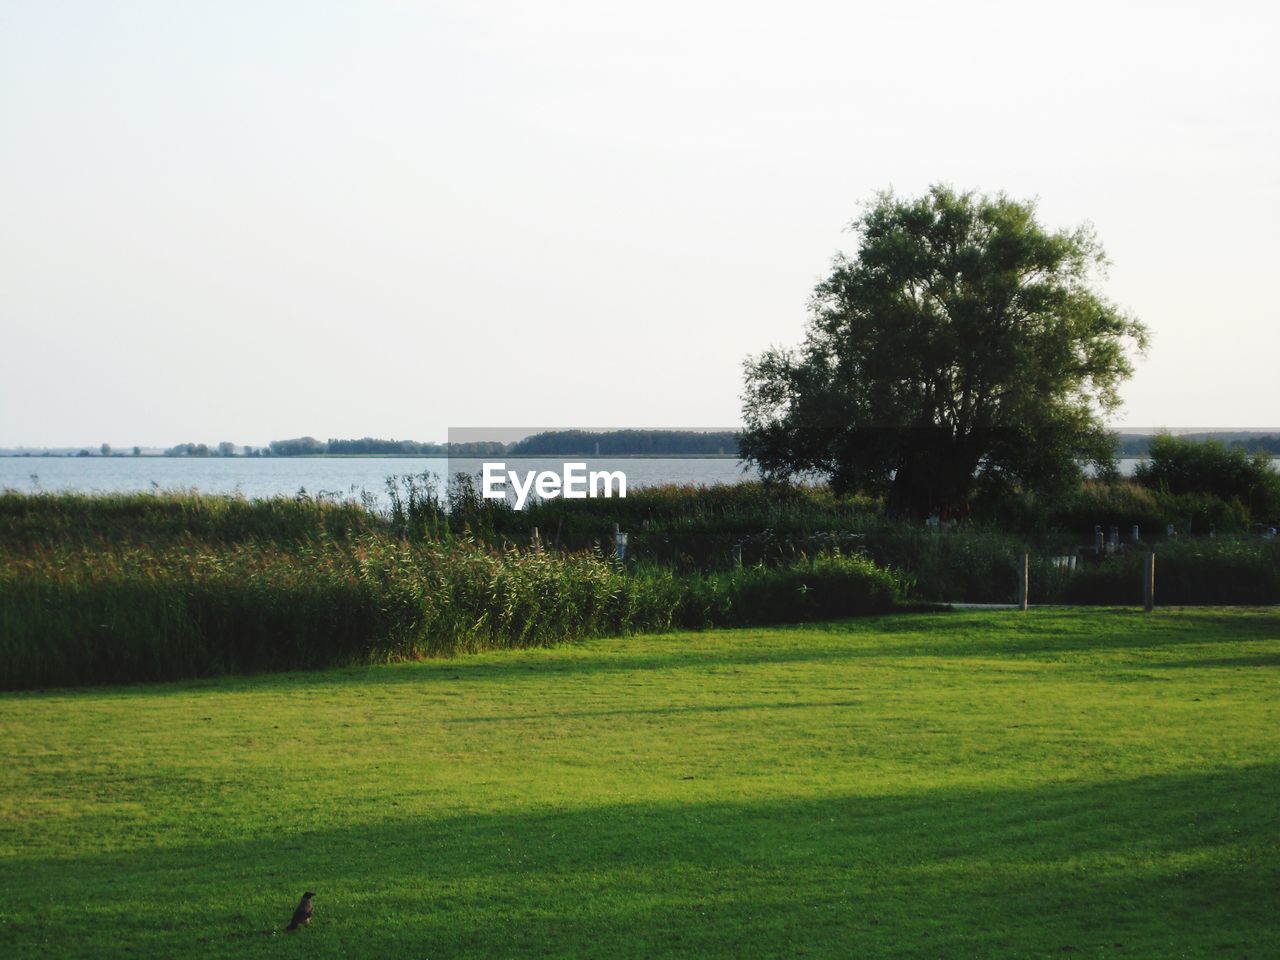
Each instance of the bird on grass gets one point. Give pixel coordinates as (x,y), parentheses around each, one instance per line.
(302,916)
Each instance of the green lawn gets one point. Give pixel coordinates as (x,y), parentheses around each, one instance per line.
(944,785)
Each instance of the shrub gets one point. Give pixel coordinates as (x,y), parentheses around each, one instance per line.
(1125,504)
(975,565)
(1181,466)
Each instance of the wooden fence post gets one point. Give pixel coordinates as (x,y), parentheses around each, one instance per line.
(1149,582)
(1024,582)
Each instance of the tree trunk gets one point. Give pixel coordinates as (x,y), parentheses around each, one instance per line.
(935,477)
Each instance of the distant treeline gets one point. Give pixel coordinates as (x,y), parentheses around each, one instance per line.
(224,449)
(365,446)
(621,443)
(551,443)
(376,447)
(651,443)
(574,443)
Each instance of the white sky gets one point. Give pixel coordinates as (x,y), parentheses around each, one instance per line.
(244,221)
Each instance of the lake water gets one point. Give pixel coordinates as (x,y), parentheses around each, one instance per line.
(332,476)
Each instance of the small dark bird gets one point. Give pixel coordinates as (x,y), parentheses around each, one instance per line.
(302,916)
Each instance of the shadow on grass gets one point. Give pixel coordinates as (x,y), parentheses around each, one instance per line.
(1051,634)
(666,710)
(1257,660)
(1180,865)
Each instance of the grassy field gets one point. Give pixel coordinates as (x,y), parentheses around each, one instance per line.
(1096,783)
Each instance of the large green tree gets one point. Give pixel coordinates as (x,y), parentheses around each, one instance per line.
(964,346)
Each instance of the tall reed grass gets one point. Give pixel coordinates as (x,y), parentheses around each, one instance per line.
(135,589)
(170,516)
(159,586)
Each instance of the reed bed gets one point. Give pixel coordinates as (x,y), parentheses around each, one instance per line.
(101,609)
(135,587)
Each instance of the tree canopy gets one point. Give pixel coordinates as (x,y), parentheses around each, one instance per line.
(964,346)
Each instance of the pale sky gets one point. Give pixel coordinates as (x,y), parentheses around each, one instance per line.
(245,221)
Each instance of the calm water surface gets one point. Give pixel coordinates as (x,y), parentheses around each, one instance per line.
(331,476)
